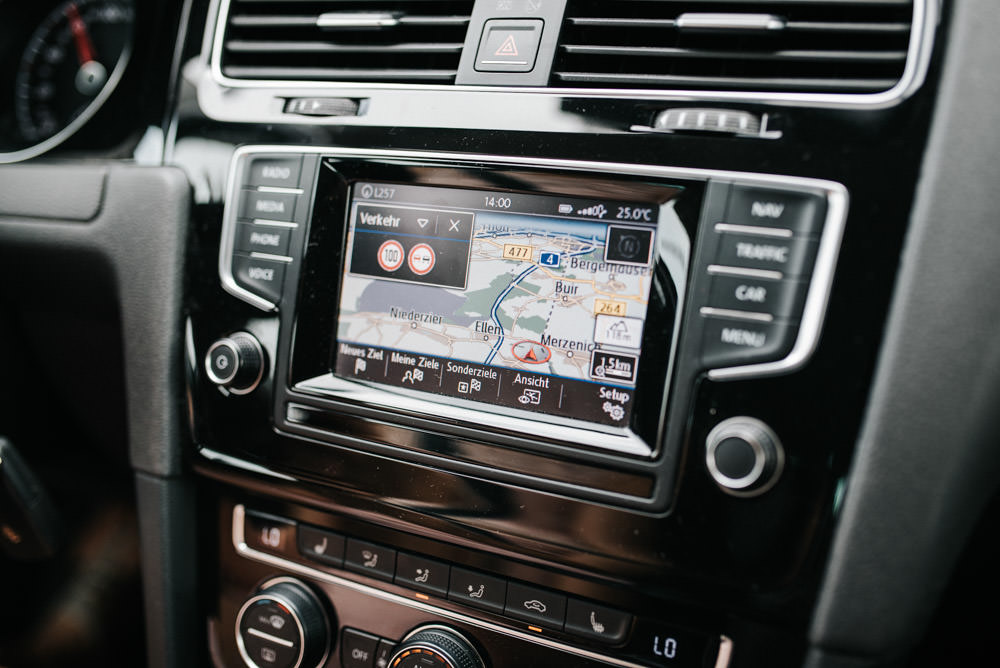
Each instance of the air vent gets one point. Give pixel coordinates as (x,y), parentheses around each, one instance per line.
(780,46)
(363,41)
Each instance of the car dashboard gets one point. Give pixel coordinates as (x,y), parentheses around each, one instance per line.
(504,332)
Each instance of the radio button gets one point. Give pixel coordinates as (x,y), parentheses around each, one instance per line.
(780,298)
(262,277)
(791,257)
(275,172)
(268,206)
(800,212)
(478,590)
(269,239)
(537,606)
(732,342)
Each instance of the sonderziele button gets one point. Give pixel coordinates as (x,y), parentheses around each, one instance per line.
(792,257)
(732,342)
(761,207)
(262,277)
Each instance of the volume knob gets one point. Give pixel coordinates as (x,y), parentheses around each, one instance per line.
(236,363)
(744,456)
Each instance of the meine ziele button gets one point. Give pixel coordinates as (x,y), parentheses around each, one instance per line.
(537,606)
(596,622)
(477,589)
(761,207)
(369,559)
(792,257)
(260,276)
(732,342)
(269,239)
(268,206)
(780,298)
(321,545)
(275,172)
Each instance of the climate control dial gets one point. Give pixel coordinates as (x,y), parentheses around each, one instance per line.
(284,625)
(435,647)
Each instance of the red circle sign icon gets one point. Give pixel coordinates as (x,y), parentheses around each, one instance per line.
(390,255)
(421,259)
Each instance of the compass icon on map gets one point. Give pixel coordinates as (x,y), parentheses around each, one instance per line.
(531,352)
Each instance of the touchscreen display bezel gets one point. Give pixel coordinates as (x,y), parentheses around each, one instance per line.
(330,218)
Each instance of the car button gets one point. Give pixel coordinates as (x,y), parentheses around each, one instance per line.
(509,46)
(422,574)
(596,622)
(477,589)
(268,206)
(370,559)
(538,606)
(357,649)
(797,211)
(791,257)
(320,545)
(275,172)
(269,239)
(268,533)
(780,298)
(731,342)
(260,276)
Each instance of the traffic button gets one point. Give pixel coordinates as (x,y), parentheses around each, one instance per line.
(509,46)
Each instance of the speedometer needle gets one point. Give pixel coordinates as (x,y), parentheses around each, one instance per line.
(81,37)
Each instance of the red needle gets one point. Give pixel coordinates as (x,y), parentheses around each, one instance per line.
(84,45)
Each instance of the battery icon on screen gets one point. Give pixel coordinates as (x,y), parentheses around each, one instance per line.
(565,208)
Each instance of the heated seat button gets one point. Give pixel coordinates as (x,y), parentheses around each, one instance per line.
(269,239)
(357,649)
(320,545)
(762,207)
(478,590)
(777,297)
(268,206)
(369,559)
(537,606)
(789,256)
(732,342)
(268,533)
(596,622)
(260,276)
(422,574)
(275,172)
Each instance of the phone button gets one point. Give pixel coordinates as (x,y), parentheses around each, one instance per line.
(320,545)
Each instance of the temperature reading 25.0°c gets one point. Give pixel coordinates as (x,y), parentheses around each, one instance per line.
(635,213)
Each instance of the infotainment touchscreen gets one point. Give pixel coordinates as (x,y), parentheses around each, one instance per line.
(525,302)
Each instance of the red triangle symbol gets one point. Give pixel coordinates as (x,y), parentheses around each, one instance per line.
(508,48)
(531,355)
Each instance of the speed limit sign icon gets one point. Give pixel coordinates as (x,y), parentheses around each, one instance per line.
(390,255)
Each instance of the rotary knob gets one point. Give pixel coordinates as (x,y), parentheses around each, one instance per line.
(236,363)
(435,647)
(744,456)
(284,625)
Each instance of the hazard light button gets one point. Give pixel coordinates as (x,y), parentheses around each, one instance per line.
(509,45)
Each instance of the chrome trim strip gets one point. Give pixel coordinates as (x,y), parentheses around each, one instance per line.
(334,20)
(268,256)
(725,652)
(234,462)
(728,22)
(275,189)
(925,20)
(732,313)
(267,636)
(244,550)
(740,271)
(274,223)
(778,232)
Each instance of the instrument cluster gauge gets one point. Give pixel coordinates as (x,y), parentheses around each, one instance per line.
(71,65)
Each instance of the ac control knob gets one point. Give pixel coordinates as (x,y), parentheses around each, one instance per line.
(435,646)
(744,456)
(284,625)
(236,363)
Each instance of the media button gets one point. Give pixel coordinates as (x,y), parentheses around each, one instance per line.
(268,206)
(478,590)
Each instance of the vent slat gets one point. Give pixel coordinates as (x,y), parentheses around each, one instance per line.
(848,46)
(367,41)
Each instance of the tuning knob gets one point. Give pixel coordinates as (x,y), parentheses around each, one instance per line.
(236,363)
(284,625)
(744,456)
(435,647)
